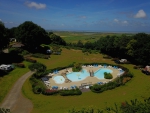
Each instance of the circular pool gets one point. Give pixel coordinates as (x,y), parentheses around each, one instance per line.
(59,79)
(100,73)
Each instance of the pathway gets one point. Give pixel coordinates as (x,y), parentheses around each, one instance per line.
(15,101)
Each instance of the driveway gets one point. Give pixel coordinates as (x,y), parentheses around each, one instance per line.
(15,101)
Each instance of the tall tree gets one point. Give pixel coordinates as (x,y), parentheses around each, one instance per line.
(57,39)
(4,41)
(32,35)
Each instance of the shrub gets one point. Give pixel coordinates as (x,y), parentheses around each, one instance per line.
(15,50)
(2,73)
(24,52)
(128,74)
(39,68)
(37,85)
(37,89)
(39,55)
(108,75)
(30,60)
(70,92)
(96,88)
(135,67)
(50,92)
(76,67)
(19,65)
(107,57)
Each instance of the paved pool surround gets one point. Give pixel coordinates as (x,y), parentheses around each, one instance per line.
(88,79)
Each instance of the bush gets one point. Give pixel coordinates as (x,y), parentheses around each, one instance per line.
(108,75)
(37,89)
(96,88)
(135,67)
(70,92)
(128,74)
(39,55)
(107,57)
(39,68)
(2,73)
(76,67)
(30,60)
(37,85)
(15,50)
(24,52)
(21,65)
(50,92)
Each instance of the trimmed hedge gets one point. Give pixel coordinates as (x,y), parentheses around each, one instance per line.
(39,55)
(30,60)
(50,92)
(70,92)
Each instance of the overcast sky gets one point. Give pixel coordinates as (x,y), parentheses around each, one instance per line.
(85,15)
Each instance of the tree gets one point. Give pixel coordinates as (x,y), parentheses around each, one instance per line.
(80,44)
(39,67)
(32,35)
(4,41)
(57,40)
(11,33)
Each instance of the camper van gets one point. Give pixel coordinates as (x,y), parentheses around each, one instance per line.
(5,67)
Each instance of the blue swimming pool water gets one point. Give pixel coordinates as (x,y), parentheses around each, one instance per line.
(100,73)
(59,79)
(78,76)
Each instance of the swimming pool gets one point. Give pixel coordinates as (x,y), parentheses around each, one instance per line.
(59,79)
(78,76)
(100,73)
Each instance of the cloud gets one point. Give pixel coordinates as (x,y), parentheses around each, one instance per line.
(125,22)
(0,19)
(35,5)
(83,17)
(140,14)
(116,20)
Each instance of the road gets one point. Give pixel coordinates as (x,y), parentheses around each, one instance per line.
(15,101)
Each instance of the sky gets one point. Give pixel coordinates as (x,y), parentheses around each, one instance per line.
(79,15)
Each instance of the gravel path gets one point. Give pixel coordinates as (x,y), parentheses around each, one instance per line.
(15,101)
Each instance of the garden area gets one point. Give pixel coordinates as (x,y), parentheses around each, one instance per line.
(100,100)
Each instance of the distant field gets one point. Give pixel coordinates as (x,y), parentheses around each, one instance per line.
(138,87)
(73,37)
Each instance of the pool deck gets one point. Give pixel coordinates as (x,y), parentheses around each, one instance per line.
(88,80)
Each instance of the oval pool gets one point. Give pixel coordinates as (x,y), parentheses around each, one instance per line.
(78,76)
(59,79)
(100,73)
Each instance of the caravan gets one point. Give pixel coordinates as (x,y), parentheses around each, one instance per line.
(5,67)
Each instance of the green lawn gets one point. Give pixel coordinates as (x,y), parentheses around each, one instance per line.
(7,81)
(73,37)
(138,87)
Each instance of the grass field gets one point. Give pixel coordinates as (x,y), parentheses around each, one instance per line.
(7,81)
(73,37)
(138,87)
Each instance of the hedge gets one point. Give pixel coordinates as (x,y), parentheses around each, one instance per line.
(70,92)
